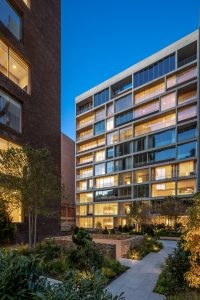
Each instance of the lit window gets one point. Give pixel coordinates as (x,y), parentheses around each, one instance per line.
(187,168)
(107,222)
(106,209)
(163,189)
(186,187)
(84,222)
(100,155)
(112,138)
(155,124)
(106,181)
(126,133)
(141,176)
(85,197)
(150,92)
(163,172)
(146,109)
(110,124)
(18,69)
(168,101)
(181,77)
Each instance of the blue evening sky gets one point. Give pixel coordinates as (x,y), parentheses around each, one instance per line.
(100,38)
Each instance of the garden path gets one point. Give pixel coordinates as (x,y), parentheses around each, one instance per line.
(139,281)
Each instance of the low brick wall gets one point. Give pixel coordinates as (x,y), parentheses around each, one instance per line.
(126,244)
(108,250)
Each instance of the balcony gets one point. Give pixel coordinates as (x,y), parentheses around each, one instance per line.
(187,60)
(85,123)
(83,110)
(84,137)
(81,176)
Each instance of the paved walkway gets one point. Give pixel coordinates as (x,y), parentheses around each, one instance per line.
(139,281)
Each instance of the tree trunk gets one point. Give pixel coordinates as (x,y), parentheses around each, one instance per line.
(29,229)
(35,230)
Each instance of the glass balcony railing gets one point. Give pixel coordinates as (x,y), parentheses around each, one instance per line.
(187,60)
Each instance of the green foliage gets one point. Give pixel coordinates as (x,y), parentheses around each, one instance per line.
(111,268)
(7,228)
(171,281)
(19,276)
(189,295)
(149,244)
(81,237)
(20,279)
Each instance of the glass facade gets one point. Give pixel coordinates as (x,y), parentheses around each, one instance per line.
(162,139)
(100,169)
(146,109)
(162,155)
(123,118)
(141,191)
(101,97)
(123,149)
(187,150)
(10,18)
(10,112)
(163,189)
(154,71)
(123,103)
(99,127)
(187,133)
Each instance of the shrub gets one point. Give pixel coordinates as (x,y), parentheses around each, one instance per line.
(111,267)
(148,245)
(105,231)
(7,228)
(148,229)
(19,275)
(171,281)
(81,237)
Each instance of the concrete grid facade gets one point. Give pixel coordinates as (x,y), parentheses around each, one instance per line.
(137,137)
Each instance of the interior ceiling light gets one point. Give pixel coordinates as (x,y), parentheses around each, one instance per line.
(14,67)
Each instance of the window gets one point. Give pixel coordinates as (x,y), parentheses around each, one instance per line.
(10,112)
(110,109)
(181,77)
(10,18)
(187,113)
(141,191)
(186,133)
(14,67)
(104,195)
(140,159)
(82,185)
(110,153)
(123,149)
(100,115)
(106,209)
(162,155)
(86,173)
(140,144)
(100,155)
(126,133)
(125,178)
(123,103)
(150,92)
(187,96)
(106,181)
(110,124)
(123,118)
(85,134)
(81,108)
(154,71)
(141,176)
(99,128)
(163,172)
(186,187)
(146,109)
(187,150)
(105,222)
(112,138)
(101,97)
(100,169)
(162,139)
(155,124)
(110,167)
(85,121)
(123,164)
(27,2)
(163,189)
(91,145)
(84,222)
(85,159)
(187,168)
(85,197)
(168,101)
(81,210)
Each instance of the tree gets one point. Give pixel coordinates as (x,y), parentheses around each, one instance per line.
(7,228)
(138,214)
(32,173)
(192,243)
(171,208)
